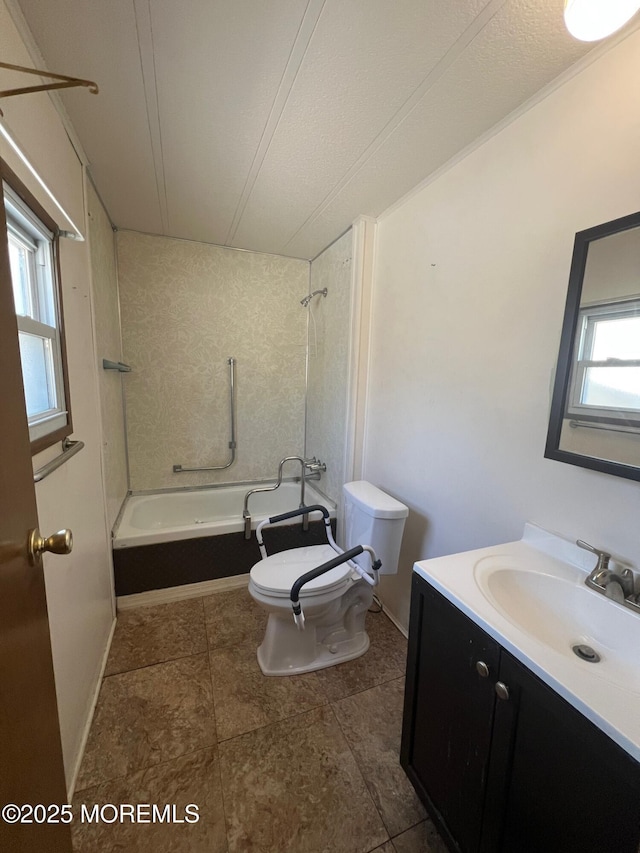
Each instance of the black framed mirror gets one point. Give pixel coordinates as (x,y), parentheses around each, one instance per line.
(595,408)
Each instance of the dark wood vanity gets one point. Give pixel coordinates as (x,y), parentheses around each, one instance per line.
(501,761)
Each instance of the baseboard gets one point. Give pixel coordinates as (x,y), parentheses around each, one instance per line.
(178,593)
(399,626)
(89,720)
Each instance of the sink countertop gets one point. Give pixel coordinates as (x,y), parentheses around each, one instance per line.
(597,690)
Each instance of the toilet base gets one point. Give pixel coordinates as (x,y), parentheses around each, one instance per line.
(323,658)
(332,634)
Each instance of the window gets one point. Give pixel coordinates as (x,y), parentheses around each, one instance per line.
(605,384)
(32,245)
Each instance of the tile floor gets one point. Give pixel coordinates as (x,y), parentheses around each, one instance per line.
(303,764)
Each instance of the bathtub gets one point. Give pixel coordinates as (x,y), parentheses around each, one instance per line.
(189,536)
(171,516)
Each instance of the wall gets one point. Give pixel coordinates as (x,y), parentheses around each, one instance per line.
(186,307)
(329,330)
(471,276)
(79,595)
(109,346)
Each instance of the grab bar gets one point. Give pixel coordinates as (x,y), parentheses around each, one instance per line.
(303,463)
(178,469)
(69,449)
(607,427)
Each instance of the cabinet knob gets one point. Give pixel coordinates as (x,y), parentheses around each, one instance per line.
(502,690)
(482,669)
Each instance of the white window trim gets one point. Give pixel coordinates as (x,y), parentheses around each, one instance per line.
(28,229)
(587,316)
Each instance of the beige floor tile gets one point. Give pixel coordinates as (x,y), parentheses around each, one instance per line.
(423,838)
(384,661)
(190,779)
(294,786)
(148,716)
(245,699)
(386,848)
(149,635)
(232,618)
(372,724)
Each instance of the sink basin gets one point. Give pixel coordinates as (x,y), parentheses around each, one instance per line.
(559,611)
(530,596)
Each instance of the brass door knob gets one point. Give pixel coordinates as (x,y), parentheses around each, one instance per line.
(58,543)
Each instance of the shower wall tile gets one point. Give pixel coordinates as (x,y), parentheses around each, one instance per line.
(186,308)
(108,345)
(329,331)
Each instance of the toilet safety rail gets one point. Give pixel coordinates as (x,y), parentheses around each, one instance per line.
(305,510)
(343,557)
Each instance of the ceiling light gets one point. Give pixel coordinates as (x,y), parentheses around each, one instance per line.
(590,20)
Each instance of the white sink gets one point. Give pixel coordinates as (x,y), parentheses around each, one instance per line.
(559,611)
(530,596)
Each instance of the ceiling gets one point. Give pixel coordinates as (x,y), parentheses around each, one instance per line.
(272,124)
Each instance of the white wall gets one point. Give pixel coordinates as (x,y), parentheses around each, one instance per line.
(79,595)
(471,275)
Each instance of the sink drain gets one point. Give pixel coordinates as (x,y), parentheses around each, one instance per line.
(586,653)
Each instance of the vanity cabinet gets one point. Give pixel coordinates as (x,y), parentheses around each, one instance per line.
(501,761)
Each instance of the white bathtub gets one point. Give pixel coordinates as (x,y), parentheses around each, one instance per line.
(171,516)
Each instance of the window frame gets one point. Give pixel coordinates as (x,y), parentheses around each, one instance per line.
(22,194)
(588,316)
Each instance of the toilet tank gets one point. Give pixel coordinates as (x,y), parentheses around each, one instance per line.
(372,517)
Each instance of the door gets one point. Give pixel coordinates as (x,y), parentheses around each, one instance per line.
(449,704)
(556,782)
(31,769)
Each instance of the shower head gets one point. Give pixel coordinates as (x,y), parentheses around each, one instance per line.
(307,299)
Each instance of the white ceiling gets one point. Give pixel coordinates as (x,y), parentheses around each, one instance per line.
(271,124)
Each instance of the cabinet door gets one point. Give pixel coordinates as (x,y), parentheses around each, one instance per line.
(556,782)
(448,714)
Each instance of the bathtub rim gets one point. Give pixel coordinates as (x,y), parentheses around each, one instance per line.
(173,534)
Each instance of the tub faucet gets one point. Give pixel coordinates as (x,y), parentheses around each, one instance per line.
(314,467)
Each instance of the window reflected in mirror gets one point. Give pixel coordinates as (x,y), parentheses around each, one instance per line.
(595,413)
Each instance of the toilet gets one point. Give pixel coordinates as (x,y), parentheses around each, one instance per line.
(335,603)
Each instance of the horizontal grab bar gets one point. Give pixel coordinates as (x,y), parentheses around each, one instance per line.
(607,427)
(69,449)
(115,365)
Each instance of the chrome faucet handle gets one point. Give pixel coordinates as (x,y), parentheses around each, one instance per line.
(603,557)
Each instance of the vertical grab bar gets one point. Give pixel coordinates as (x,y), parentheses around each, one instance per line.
(179,469)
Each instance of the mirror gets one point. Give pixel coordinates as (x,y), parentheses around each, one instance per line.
(595,409)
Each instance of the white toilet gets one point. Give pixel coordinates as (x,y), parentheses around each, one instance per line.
(335,603)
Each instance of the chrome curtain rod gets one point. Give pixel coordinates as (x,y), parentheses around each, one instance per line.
(66,82)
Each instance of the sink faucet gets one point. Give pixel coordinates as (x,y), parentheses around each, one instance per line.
(602,576)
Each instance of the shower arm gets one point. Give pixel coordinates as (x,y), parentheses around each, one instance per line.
(179,469)
(307,299)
